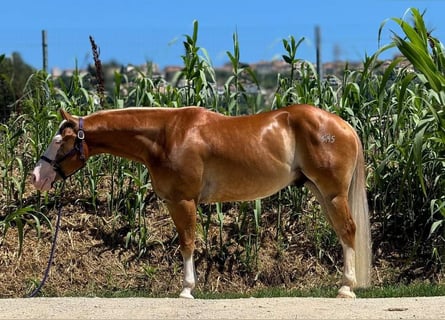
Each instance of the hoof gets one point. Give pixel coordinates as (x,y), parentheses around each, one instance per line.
(346,292)
(186,294)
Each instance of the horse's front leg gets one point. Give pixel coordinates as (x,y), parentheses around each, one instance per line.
(184,216)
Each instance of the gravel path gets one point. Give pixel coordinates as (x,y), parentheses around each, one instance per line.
(250,308)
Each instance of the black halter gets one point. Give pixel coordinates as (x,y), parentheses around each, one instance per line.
(77,148)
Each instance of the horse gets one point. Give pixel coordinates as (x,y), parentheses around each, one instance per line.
(195,156)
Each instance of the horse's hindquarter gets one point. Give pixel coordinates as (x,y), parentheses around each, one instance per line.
(327,145)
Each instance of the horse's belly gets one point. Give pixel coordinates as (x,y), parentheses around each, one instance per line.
(244,187)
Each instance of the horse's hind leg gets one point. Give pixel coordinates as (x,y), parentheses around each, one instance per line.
(338,214)
(341,219)
(183,214)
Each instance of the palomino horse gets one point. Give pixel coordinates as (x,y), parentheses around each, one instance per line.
(198,156)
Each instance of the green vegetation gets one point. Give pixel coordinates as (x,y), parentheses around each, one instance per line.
(397,108)
(393,291)
(14,73)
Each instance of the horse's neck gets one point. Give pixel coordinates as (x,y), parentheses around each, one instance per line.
(135,135)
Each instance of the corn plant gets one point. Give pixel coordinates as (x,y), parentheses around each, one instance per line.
(150,91)
(11,137)
(396,108)
(12,184)
(197,69)
(425,157)
(237,98)
(220,217)
(15,160)
(203,227)
(19,218)
(283,95)
(135,207)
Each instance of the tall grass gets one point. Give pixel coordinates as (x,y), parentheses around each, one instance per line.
(397,108)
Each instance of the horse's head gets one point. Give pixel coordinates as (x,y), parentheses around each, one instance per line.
(65,155)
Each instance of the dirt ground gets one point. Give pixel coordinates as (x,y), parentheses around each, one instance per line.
(248,308)
(92,258)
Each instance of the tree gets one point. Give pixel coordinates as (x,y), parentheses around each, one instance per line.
(14,74)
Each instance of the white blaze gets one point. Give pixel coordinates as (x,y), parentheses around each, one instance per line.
(43,174)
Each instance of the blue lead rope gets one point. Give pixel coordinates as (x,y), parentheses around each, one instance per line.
(53,249)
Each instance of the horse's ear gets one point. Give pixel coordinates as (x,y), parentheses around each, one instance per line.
(65,115)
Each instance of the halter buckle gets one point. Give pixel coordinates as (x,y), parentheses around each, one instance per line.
(80,134)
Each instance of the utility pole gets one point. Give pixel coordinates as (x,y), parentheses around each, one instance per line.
(45,50)
(318,52)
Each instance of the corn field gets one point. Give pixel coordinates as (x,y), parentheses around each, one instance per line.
(396,107)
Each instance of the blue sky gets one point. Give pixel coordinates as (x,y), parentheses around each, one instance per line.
(133,32)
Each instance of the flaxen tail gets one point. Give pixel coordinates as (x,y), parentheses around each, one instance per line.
(358,204)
